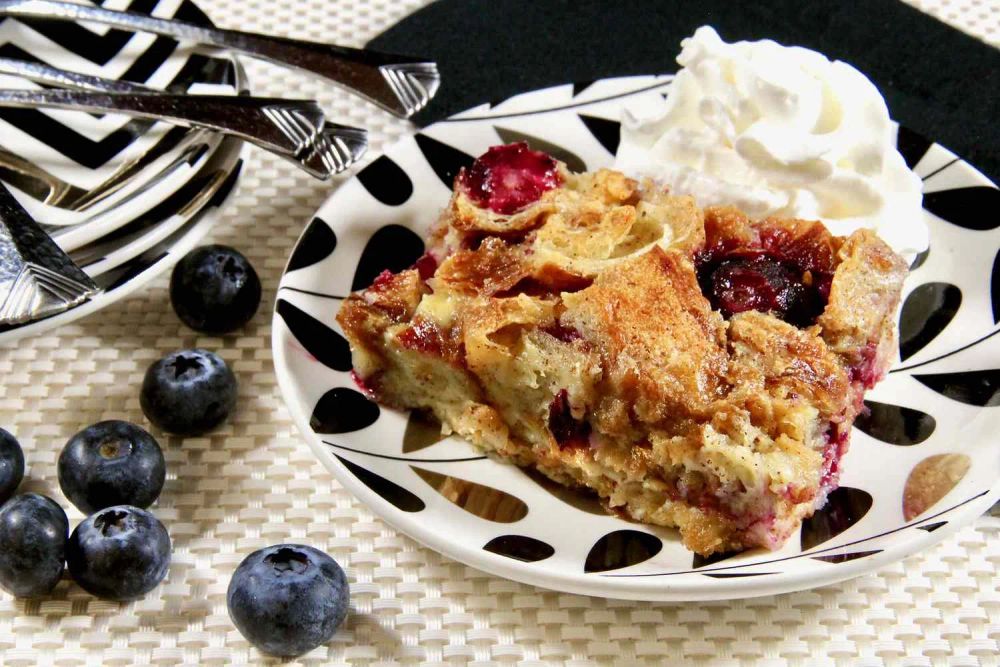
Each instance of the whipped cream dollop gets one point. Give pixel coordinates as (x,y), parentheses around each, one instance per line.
(777,130)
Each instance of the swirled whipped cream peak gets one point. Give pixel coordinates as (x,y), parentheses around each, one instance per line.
(777,130)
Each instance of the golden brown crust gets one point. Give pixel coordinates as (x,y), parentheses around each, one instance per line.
(863,297)
(660,341)
(573,337)
(492,267)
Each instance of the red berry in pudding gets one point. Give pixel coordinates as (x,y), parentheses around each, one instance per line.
(736,284)
(426,265)
(507,178)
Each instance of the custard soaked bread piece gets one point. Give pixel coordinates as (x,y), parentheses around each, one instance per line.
(695,369)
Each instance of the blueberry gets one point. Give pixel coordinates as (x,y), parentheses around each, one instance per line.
(120,553)
(288,599)
(188,392)
(214,289)
(111,463)
(33,532)
(11,465)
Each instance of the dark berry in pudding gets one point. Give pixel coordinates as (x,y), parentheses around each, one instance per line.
(754,281)
(507,178)
(566,429)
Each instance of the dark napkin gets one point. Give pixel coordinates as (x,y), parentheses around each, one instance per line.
(936,80)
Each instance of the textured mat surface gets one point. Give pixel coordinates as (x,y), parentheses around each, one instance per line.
(255,483)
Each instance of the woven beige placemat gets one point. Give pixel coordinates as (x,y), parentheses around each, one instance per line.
(255,483)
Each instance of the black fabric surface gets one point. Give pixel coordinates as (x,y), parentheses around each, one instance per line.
(936,80)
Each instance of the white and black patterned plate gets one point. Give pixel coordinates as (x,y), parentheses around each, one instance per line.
(923,463)
(68,168)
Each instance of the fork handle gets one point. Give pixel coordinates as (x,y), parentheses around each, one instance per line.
(286,127)
(53,76)
(399,84)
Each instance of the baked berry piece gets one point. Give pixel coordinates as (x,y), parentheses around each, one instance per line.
(11,465)
(507,178)
(694,368)
(120,553)
(111,463)
(33,531)
(288,599)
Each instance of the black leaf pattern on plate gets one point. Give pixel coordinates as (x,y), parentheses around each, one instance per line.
(844,508)
(317,243)
(520,547)
(445,160)
(912,146)
(843,558)
(326,345)
(931,527)
(621,548)
(497,102)
(392,248)
(582,499)
(926,312)
(581,86)
(422,431)
(980,388)
(919,260)
(389,491)
(478,499)
(995,288)
(972,208)
(386,181)
(343,410)
(572,160)
(607,132)
(734,575)
(895,424)
(702,561)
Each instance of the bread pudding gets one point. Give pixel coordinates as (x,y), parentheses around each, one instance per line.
(694,368)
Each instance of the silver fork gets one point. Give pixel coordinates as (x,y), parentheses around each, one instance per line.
(400,84)
(293,129)
(37,279)
(334,148)
(53,76)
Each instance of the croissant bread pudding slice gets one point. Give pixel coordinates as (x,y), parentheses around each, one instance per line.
(694,368)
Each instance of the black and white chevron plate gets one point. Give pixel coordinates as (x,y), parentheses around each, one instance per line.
(68,167)
(165,234)
(922,463)
(161,185)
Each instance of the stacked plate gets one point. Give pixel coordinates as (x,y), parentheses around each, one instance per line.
(120,195)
